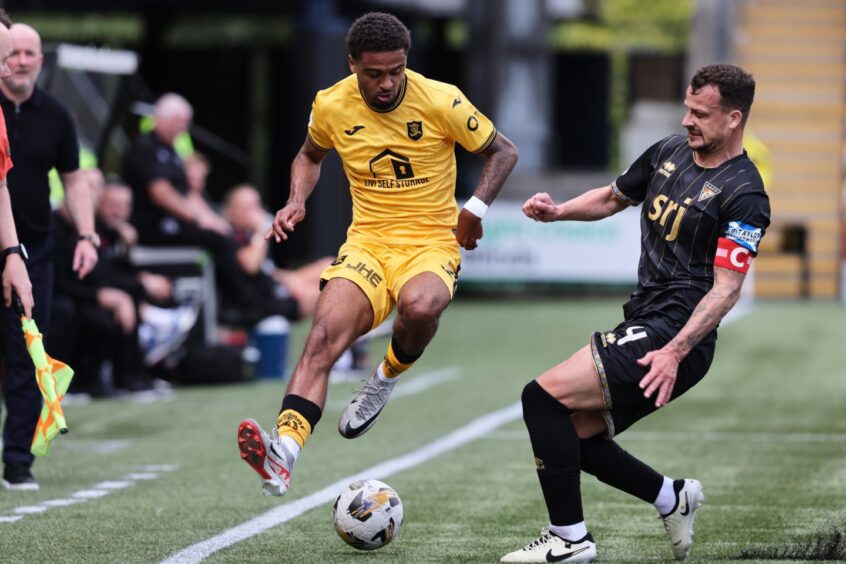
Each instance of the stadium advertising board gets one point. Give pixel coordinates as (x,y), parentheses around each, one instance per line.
(517,249)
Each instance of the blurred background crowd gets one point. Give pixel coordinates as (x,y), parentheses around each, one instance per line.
(188,115)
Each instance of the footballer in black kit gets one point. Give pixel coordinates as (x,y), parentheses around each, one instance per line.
(692,217)
(704,212)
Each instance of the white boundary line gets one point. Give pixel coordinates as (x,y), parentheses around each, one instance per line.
(102,489)
(470,432)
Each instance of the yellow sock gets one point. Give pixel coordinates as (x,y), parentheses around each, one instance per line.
(294,425)
(391,367)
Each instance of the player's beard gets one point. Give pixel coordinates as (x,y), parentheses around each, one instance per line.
(703,147)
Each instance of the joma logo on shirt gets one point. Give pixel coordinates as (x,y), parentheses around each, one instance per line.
(662,208)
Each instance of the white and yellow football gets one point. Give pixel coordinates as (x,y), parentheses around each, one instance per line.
(367,514)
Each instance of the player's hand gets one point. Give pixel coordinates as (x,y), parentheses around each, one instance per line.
(540,207)
(84,258)
(16,278)
(663,368)
(284,222)
(469,230)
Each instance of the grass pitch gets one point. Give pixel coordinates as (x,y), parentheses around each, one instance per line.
(764,432)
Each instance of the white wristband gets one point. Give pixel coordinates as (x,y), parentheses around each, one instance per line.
(476,206)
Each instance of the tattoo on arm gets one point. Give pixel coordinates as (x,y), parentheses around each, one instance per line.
(708,313)
(501,157)
(305,172)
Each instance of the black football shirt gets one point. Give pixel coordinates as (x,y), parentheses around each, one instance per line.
(686,210)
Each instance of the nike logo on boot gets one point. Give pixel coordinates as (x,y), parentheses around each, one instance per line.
(686,511)
(550,557)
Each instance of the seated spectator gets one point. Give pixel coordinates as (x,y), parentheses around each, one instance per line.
(249,222)
(161,331)
(197,169)
(164,215)
(99,319)
(95,320)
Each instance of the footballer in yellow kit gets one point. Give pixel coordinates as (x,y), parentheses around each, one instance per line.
(400,162)
(395,132)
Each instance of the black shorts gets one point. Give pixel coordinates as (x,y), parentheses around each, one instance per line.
(615,355)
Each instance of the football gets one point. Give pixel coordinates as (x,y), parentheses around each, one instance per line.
(367,514)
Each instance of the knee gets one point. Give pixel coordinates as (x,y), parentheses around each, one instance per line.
(536,400)
(420,309)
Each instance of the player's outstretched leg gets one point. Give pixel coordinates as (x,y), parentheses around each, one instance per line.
(267,456)
(549,547)
(679,522)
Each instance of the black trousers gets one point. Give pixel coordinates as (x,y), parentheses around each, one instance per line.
(85,336)
(20,388)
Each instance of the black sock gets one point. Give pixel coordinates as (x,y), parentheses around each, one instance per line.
(309,410)
(614,466)
(401,355)
(555,444)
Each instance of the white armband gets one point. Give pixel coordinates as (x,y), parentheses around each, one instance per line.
(476,206)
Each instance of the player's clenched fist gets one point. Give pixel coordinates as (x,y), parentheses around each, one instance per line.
(540,207)
(285,220)
(469,230)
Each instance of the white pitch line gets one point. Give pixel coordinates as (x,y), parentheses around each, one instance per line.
(414,385)
(142,476)
(113,485)
(90,494)
(61,502)
(30,509)
(470,432)
(99,490)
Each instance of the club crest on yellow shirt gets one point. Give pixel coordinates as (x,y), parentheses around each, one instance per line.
(415,130)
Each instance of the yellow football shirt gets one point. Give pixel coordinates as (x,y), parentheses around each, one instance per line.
(400,161)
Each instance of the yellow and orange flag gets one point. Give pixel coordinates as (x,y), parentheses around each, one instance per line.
(53,378)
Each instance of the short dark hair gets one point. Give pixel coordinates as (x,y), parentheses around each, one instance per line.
(377,32)
(5,18)
(736,86)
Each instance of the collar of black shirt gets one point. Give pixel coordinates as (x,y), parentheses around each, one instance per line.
(37,98)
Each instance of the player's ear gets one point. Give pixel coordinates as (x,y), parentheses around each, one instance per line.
(351,61)
(735,118)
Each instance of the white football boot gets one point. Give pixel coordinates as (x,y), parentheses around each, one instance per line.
(267,456)
(552,548)
(679,522)
(365,407)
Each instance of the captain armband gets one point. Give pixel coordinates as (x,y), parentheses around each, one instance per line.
(733,256)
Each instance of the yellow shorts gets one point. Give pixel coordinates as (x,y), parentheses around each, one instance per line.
(381,270)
